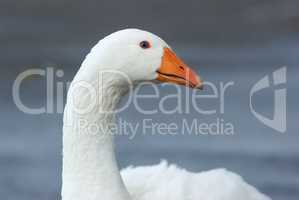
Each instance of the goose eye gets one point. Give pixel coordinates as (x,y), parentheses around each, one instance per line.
(145,44)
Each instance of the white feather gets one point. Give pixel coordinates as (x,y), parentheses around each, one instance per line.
(164,181)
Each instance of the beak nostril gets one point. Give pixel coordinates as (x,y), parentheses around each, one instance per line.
(182,68)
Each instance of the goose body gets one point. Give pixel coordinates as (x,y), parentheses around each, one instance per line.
(90,172)
(165,181)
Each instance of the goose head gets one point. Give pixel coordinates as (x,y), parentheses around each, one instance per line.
(141,56)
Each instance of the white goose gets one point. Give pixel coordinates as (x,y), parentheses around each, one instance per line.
(90,170)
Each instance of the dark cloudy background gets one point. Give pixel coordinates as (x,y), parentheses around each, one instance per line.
(232,40)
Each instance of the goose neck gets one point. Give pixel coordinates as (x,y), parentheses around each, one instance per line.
(90,169)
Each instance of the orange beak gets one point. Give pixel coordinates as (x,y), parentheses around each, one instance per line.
(174,70)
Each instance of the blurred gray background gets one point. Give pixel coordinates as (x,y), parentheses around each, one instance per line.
(233,40)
